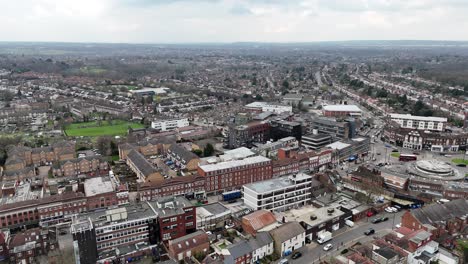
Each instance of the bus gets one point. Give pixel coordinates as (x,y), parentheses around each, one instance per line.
(408,157)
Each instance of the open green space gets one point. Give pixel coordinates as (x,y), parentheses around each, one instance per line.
(104,128)
(395,154)
(460,161)
(92,70)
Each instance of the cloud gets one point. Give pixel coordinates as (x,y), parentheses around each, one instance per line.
(175,21)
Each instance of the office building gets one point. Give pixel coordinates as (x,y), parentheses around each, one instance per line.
(430,123)
(281,129)
(169,124)
(341,110)
(344,129)
(315,141)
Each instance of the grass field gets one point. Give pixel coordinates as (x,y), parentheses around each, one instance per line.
(93,129)
(395,154)
(92,70)
(460,161)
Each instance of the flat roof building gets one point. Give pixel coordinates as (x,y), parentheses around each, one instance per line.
(341,110)
(430,123)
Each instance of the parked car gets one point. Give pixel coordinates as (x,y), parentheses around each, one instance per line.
(328,247)
(461,165)
(383,219)
(283,261)
(369,232)
(376,220)
(296,255)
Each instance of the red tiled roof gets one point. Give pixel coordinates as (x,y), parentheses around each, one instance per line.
(259,219)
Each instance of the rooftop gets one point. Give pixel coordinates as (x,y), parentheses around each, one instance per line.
(277,184)
(338,145)
(170,205)
(420,118)
(234,163)
(97,185)
(344,108)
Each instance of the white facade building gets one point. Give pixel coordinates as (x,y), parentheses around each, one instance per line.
(278,194)
(420,122)
(269,107)
(170,124)
(262,246)
(288,238)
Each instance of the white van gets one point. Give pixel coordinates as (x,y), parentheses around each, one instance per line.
(349,223)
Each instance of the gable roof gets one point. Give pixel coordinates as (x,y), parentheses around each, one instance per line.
(287,231)
(259,219)
(261,239)
(182,152)
(141,163)
(441,212)
(188,242)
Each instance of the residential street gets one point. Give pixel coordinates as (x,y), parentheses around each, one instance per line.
(311,253)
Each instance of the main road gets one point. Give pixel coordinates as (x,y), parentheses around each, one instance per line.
(343,238)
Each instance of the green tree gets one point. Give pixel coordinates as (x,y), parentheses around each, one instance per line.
(208,150)
(198,152)
(286,84)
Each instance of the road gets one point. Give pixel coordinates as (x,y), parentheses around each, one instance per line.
(344,238)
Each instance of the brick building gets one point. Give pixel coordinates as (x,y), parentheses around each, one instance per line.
(191,186)
(228,175)
(183,158)
(147,147)
(176,216)
(25,247)
(246,135)
(439,219)
(142,167)
(93,165)
(188,245)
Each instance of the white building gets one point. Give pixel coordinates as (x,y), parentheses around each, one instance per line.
(278,194)
(420,122)
(169,124)
(262,246)
(288,237)
(269,107)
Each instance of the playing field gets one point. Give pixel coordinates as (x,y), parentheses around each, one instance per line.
(93,129)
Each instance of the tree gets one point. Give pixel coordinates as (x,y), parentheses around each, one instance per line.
(208,150)
(285,84)
(198,152)
(104,145)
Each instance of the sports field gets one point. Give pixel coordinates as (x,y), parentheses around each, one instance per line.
(93,129)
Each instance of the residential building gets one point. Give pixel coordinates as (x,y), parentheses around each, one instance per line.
(228,175)
(270,149)
(341,110)
(251,251)
(176,216)
(25,247)
(248,134)
(315,141)
(147,147)
(90,166)
(142,167)
(169,124)
(439,219)
(188,245)
(278,194)
(288,237)
(183,158)
(292,99)
(262,246)
(429,123)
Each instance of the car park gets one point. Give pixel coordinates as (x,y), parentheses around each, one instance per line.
(369,232)
(328,247)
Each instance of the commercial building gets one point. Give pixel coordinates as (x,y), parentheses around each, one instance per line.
(212,216)
(345,149)
(114,233)
(341,110)
(256,221)
(278,194)
(191,186)
(229,175)
(288,237)
(248,134)
(270,149)
(315,141)
(176,216)
(281,129)
(430,123)
(269,107)
(291,160)
(25,247)
(169,124)
(425,140)
(343,129)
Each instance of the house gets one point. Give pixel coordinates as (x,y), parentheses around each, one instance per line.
(183,158)
(238,253)
(288,237)
(257,220)
(142,167)
(439,219)
(262,246)
(189,245)
(385,255)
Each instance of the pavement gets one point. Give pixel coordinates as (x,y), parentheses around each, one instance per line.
(345,237)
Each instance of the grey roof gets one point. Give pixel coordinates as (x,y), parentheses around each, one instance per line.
(386,252)
(143,164)
(170,205)
(239,249)
(441,212)
(287,231)
(261,239)
(182,152)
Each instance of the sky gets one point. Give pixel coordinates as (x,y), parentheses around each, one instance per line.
(198,21)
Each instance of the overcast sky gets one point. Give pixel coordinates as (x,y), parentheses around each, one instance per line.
(176,21)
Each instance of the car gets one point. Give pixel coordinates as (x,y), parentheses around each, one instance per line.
(394,150)
(327,247)
(283,261)
(376,220)
(380,165)
(415,153)
(378,153)
(296,255)
(369,232)
(461,165)
(383,219)
(388,210)
(397,225)
(369,214)
(231,225)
